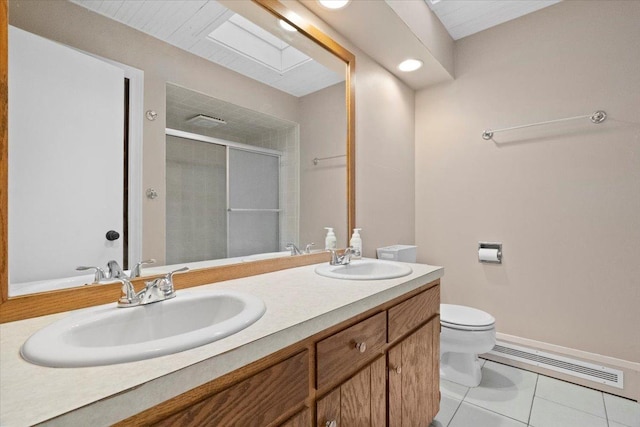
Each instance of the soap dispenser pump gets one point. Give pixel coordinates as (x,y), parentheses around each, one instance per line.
(356,242)
(330,240)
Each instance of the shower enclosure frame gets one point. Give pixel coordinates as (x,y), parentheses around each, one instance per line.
(243,147)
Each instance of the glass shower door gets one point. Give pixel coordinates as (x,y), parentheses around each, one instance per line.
(253,202)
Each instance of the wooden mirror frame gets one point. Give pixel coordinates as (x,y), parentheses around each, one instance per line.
(40,304)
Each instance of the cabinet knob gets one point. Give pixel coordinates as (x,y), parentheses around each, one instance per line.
(361,346)
(331,423)
(397,369)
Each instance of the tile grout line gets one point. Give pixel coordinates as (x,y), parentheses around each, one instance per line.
(454,413)
(497,413)
(458,407)
(578,410)
(535,389)
(604,404)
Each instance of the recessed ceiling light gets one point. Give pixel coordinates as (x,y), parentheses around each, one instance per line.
(286,26)
(333,4)
(410,65)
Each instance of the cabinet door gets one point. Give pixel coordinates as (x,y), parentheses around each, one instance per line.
(414,377)
(359,402)
(301,419)
(256,401)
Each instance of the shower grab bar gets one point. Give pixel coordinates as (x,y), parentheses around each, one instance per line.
(596,118)
(253,210)
(319,159)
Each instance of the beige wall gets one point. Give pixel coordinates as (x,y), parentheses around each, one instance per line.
(323,189)
(385,195)
(385,188)
(563,199)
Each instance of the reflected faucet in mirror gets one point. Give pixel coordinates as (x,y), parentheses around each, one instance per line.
(296,251)
(114,271)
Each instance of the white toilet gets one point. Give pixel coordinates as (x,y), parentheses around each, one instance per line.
(466,332)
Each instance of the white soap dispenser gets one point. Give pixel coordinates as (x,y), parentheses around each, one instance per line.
(330,240)
(356,242)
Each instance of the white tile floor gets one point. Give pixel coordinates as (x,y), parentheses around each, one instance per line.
(511,397)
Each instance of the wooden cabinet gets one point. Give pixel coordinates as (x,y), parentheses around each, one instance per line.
(358,402)
(257,401)
(379,368)
(414,395)
(345,352)
(301,419)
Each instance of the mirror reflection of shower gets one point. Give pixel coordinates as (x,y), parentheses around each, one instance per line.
(232,180)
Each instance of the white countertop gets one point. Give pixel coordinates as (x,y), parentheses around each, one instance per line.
(299,304)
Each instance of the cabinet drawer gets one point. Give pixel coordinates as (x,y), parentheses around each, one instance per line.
(413,312)
(256,401)
(344,353)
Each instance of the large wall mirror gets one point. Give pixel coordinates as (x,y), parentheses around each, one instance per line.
(203,132)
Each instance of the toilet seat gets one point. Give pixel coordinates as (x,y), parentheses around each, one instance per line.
(464,318)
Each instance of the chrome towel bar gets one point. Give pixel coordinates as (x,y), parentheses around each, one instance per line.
(596,118)
(319,159)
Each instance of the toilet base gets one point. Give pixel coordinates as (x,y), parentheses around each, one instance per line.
(461,368)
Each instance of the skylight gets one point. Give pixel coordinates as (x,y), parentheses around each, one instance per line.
(251,41)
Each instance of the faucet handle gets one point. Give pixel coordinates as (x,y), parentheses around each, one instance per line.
(99,273)
(334,257)
(307,249)
(137,269)
(165,283)
(293,248)
(129,297)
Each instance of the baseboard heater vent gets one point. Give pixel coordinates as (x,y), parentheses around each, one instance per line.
(577,368)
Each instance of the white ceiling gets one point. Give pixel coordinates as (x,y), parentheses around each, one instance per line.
(187,23)
(243,125)
(462,18)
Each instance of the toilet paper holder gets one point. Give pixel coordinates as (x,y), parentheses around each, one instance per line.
(492,246)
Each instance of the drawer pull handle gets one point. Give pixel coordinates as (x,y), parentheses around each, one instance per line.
(397,369)
(331,423)
(361,346)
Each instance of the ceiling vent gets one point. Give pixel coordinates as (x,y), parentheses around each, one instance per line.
(206,121)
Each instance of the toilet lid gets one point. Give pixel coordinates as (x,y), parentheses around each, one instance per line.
(463,317)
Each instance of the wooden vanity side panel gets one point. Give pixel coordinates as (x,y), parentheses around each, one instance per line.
(415,311)
(337,357)
(257,401)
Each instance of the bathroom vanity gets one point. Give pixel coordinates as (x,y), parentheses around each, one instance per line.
(356,352)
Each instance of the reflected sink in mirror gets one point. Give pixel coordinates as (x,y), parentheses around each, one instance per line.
(108,335)
(268,255)
(365,269)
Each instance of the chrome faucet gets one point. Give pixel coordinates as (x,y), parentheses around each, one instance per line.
(345,258)
(295,251)
(99,273)
(137,269)
(293,248)
(116,272)
(155,290)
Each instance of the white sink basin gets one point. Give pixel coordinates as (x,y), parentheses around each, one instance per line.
(365,269)
(109,335)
